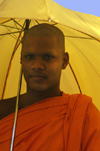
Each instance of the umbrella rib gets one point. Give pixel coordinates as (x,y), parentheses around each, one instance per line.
(17,23)
(9,26)
(16,46)
(17,27)
(87,60)
(37,22)
(84,33)
(75,78)
(92,38)
(80,37)
(75,36)
(6,21)
(11,33)
(14,37)
(89,36)
(7,34)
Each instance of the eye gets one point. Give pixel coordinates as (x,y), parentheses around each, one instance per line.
(29,57)
(48,57)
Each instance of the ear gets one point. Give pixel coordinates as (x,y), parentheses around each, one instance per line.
(65,60)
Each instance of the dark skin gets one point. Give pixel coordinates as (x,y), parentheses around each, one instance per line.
(42,62)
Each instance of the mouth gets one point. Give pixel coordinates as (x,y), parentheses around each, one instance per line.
(37,77)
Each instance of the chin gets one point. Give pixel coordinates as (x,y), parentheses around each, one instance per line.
(38,88)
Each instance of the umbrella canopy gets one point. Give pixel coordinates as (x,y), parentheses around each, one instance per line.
(82,37)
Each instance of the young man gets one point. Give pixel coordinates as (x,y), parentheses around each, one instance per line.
(48,119)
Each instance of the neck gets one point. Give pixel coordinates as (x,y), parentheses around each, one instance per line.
(36,96)
(31,97)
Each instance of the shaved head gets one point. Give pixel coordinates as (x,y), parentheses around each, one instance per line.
(47,30)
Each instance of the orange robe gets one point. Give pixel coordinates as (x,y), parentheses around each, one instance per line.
(65,123)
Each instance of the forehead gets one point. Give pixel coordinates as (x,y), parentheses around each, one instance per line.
(39,42)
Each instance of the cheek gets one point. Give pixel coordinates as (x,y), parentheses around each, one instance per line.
(55,70)
(25,70)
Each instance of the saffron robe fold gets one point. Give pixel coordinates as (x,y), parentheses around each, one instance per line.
(65,123)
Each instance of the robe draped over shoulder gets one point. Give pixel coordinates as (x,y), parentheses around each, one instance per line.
(64,123)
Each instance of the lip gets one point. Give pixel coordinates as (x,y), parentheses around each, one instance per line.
(37,77)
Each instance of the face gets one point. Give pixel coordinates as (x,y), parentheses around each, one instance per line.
(41,62)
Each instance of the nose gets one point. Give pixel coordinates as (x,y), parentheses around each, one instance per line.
(37,64)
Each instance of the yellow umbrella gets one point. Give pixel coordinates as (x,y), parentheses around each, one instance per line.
(82,36)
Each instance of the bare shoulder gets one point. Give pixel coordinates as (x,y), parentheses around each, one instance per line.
(7,106)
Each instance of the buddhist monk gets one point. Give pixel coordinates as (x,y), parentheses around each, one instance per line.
(48,119)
